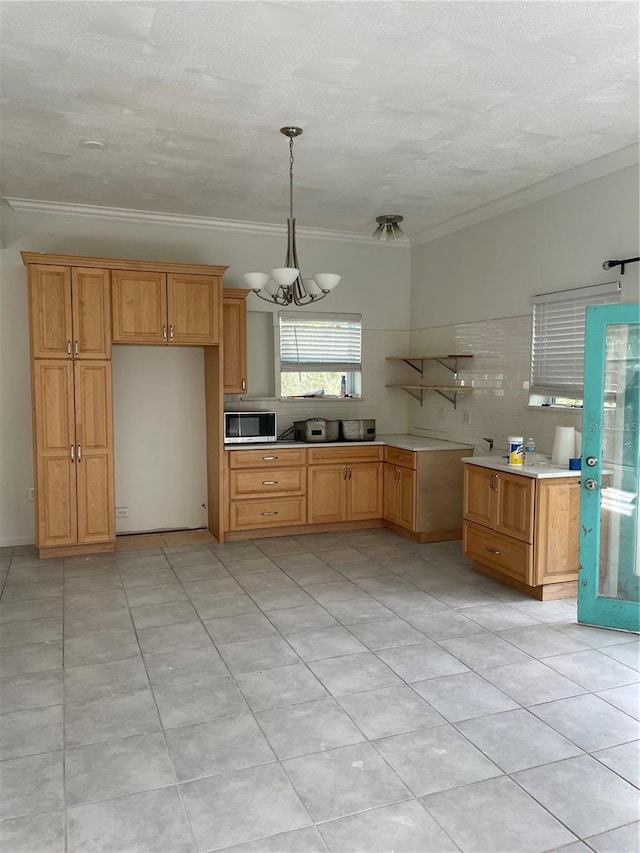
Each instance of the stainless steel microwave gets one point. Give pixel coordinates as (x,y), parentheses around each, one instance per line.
(249,427)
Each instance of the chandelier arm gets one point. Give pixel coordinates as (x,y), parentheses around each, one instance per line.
(278,299)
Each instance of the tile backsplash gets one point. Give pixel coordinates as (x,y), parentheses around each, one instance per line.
(498,404)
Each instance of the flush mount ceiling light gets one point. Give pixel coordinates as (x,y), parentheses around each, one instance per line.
(285,285)
(388,227)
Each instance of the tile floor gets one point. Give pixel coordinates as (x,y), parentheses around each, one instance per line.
(330,692)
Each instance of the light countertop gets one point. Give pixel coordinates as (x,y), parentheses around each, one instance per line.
(403,441)
(539,471)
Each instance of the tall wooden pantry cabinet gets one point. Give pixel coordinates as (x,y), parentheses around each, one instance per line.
(78,307)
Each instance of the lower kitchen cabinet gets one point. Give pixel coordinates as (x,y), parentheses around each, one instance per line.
(423,492)
(344,484)
(73,440)
(523,530)
(399,496)
(266,488)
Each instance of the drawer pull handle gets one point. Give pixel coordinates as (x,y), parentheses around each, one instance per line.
(269,482)
(68,347)
(77,348)
(268,458)
(492,550)
(171,332)
(164,333)
(269,513)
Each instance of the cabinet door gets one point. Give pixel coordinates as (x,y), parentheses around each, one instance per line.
(364,491)
(234,340)
(91,308)
(514,506)
(327,493)
(54,442)
(407,499)
(480,490)
(50,311)
(139,307)
(94,451)
(194,309)
(390,511)
(557,531)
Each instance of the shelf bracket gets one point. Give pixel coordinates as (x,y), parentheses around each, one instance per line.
(416,396)
(453,399)
(414,364)
(452,365)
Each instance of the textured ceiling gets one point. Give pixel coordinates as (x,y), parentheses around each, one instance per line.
(427,109)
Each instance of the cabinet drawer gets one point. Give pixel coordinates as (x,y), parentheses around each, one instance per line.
(266,458)
(405,458)
(345,454)
(277,512)
(510,556)
(274,481)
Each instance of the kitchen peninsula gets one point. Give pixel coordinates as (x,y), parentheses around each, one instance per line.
(521,524)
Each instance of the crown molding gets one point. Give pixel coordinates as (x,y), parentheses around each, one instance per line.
(148,217)
(607,165)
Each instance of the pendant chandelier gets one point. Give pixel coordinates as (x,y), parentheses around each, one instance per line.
(285,285)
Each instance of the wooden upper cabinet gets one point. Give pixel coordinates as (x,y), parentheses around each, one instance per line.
(91,310)
(139,307)
(234,340)
(50,311)
(70,312)
(193,303)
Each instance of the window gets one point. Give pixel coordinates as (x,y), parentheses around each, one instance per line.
(316,351)
(557,342)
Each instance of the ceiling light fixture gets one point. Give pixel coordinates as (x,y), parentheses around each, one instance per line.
(388,227)
(93,144)
(285,285)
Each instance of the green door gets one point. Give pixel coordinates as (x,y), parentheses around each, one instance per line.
(609,586)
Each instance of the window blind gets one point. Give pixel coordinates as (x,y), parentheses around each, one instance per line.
(320,342)
(557,345)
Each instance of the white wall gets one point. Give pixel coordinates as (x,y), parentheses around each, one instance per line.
(160,437)
(375,283)
(471,290)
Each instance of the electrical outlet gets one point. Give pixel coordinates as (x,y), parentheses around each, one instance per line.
(465,417)
(31,494)
(122,511)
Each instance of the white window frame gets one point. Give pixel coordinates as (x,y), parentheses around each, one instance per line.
(557,342)
(351,368)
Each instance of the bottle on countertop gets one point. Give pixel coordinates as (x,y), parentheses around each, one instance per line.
(343,386)
(530,452)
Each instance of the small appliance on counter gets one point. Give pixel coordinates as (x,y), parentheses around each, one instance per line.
(358,430)
(316,429)
(250,427)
